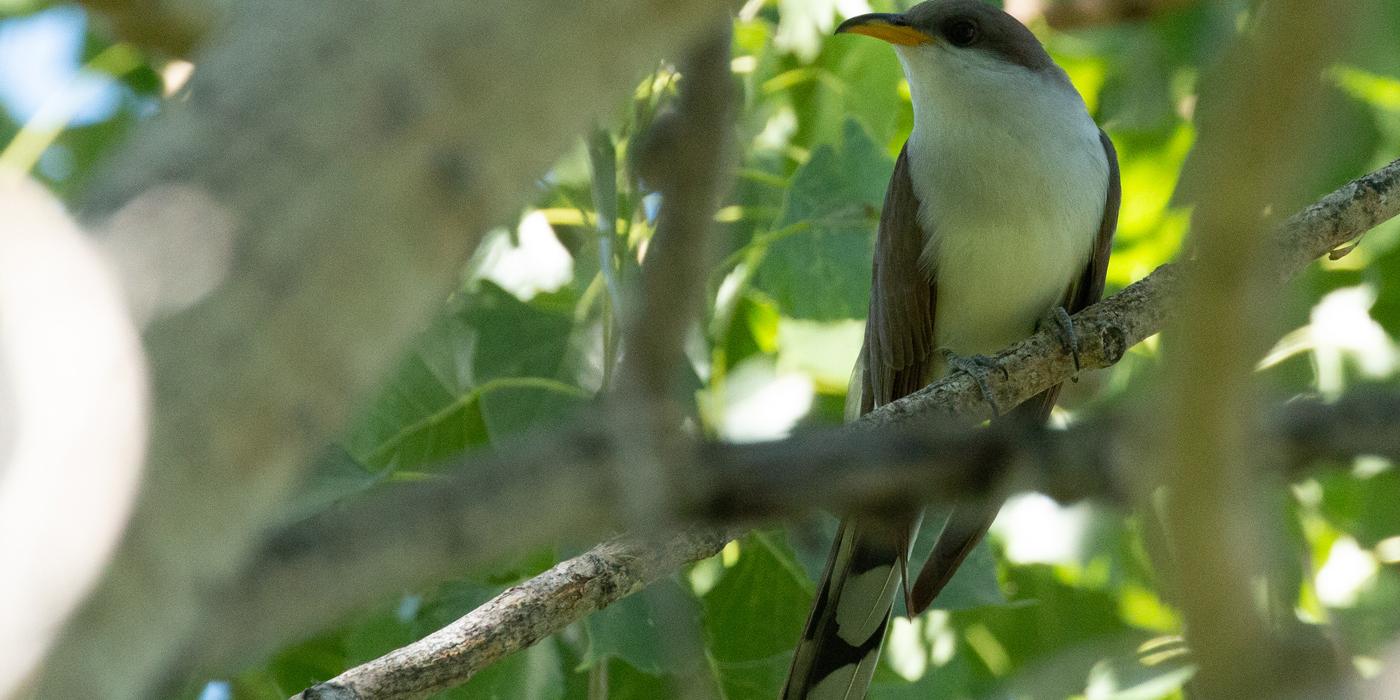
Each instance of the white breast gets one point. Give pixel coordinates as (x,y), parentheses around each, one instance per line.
(1013,179)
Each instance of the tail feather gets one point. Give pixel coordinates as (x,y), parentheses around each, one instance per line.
(966,526)
(840,646)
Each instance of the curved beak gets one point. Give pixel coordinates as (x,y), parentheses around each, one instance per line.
(893,28)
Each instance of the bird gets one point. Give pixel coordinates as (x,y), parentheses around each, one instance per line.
(998,218)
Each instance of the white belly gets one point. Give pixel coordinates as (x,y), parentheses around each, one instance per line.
(1010,224)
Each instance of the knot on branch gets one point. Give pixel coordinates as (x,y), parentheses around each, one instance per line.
(1114,342)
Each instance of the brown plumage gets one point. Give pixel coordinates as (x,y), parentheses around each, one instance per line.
(988,223)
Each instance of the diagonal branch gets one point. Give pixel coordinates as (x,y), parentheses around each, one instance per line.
(520,617)
(422,534)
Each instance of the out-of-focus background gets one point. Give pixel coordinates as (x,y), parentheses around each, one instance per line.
(1061,601)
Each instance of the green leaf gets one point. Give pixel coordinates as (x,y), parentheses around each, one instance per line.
(860,81)
(308,663)
(536,673)
(1363,507)
(627,683)
(820,270)
(490,366)
(754,616)
(627,630)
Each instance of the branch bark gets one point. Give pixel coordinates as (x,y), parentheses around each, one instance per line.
(520,617)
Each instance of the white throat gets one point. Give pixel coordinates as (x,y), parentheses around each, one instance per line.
(1012,179)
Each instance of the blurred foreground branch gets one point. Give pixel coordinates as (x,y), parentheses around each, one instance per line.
(1208,454)
(842,472)
(358,151)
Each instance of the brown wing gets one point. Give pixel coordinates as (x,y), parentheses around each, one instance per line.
(968,524)
(848,619)
(899,334)
(1089,288)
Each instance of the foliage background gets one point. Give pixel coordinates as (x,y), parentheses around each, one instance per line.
(1063,601)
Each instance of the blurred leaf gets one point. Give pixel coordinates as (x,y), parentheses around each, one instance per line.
(1052,616)
(1363,507)
(821,271)
(627,683)
(333,476)
(860,80)
(308,663)
(823,351)
(1136,93)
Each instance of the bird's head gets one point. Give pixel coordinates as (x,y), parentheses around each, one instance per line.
(958,45)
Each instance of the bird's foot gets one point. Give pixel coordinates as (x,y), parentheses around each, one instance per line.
(977,367)
(1068,338)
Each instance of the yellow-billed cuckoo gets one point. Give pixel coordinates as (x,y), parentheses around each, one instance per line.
(1000,214)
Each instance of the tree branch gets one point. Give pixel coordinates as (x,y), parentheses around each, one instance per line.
(873,471)
(428,531)
(520,617)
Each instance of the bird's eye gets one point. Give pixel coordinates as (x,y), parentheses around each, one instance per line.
(961,32)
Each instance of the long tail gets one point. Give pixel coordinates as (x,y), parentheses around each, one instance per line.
(968,524)
(840,646)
